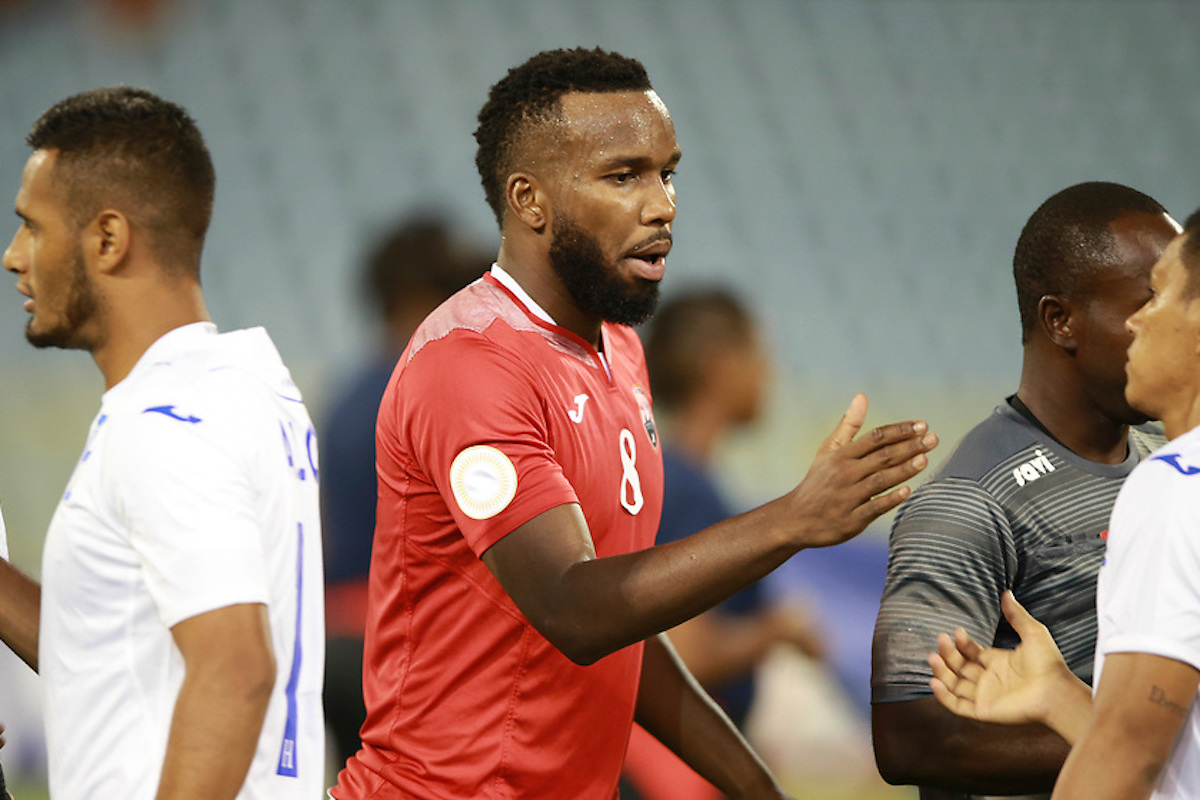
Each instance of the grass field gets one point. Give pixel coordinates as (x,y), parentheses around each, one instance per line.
(29,792)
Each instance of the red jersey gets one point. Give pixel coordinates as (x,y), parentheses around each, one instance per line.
(492,417)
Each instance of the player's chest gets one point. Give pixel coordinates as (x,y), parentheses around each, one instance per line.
(87,547)
(604,436)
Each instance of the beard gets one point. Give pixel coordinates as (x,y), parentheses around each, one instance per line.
(82,307)
(595,286)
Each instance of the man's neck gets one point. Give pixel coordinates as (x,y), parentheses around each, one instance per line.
(139,322)
(1078,424)
(536,276)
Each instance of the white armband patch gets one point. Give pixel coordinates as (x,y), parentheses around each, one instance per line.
(483,480)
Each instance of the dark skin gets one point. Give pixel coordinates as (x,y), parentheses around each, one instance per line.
(1073,380)
(608,167)
(674,717)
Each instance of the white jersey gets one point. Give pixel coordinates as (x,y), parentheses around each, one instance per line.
(197,490)
(1148,596)
(3,539)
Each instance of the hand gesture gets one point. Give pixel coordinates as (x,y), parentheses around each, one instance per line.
(852,481)
(997,685)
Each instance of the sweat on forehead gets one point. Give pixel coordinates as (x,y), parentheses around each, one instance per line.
(596,120)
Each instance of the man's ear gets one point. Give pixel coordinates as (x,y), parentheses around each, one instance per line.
(527,201)
(1056,316)
(1193,312)
(106,240)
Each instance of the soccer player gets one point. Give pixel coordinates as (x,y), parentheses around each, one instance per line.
(180,638)
(1140,735)
(520,481)
(1023,503)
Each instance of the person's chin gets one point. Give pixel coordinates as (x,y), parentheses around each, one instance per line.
(1140,411)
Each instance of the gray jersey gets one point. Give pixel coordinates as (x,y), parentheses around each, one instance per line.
(1010,509)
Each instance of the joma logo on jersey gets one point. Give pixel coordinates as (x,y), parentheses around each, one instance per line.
(1173,460)
(1030,471)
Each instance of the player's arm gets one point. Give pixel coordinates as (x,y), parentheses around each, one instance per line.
(673,708)
(1142,702)
(946,568)
(20,612)
(719,646)
(1030,683)
(963,754)
(229,673)
(589,607)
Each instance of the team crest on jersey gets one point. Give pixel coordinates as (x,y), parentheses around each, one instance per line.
(647,412)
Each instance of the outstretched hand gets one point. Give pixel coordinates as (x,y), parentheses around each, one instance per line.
(993,684)
(854,480)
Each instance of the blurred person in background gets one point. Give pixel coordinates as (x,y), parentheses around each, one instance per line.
(413,268)
(709,372)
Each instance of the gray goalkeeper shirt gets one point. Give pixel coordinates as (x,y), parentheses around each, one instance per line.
(1010,509)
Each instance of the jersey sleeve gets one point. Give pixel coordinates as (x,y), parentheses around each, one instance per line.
(946,570)
(3,539)
(1149,587)
(181,481)
(477,427)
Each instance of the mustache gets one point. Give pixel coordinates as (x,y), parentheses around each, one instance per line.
(654,238)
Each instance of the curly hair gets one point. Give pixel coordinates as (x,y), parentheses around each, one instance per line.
(1067,239)
(128,148)
(528,96)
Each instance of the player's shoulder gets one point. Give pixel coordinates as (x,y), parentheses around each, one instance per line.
(203,379)
(1177,460)
(482,311)
(963,492)
(483,331)
(989,446)
(1147,438)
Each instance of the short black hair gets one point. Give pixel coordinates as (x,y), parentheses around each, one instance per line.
(1190,254)
(684,331)
(128,148)
(529,94)
(1067,239)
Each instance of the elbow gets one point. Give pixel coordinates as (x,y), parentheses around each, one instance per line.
(584,656)
(895,773)
(575,642)
(257,679)
(893,768)
(574,636)
(261,688)
(898,754)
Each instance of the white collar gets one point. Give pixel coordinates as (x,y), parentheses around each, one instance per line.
(510,283)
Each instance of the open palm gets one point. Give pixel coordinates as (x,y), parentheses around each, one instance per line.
(993,684)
